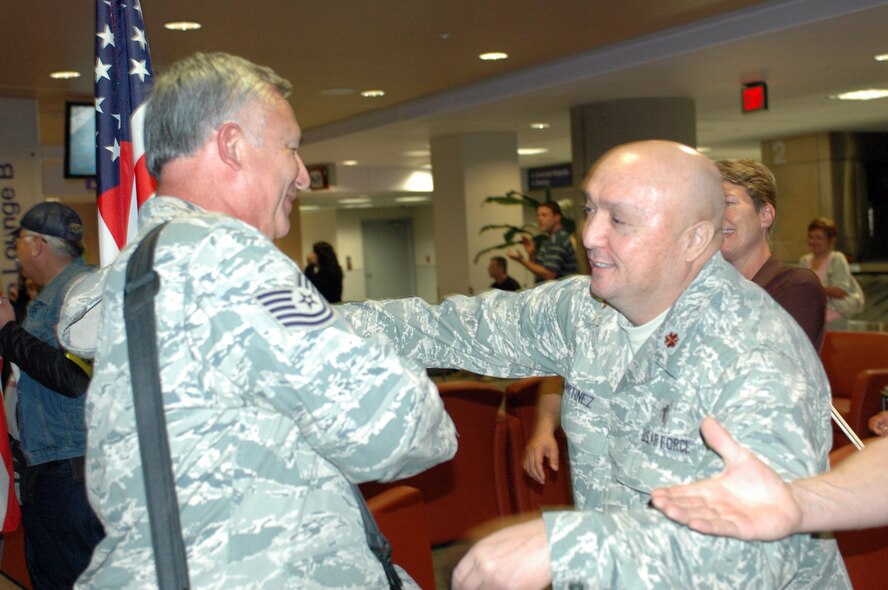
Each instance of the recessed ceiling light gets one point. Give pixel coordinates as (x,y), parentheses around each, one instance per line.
(360,206)
(703,149)
(494,56)
(539,125)
(182,25)
(308,208)
(349,162)
(868,94)
(420,153)
(881,57)
(337,91)
(64,75)
(531,151)
(372,93)
(411,199)
(354,201)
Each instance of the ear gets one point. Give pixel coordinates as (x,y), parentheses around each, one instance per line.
(766,215)
(229,140)
(697,239)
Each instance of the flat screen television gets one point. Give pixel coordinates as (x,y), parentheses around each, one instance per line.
(80,140)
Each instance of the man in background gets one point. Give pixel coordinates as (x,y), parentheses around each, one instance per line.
(61,529)
(556,257)
(501,279)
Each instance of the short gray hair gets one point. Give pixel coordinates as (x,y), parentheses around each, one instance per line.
(60,247)
(195,96)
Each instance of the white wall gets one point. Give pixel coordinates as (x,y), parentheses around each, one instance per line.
(342,228)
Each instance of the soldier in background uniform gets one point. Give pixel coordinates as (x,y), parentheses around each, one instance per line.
(682,336)
(273,403)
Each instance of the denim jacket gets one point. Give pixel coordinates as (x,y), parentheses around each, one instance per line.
(51,426)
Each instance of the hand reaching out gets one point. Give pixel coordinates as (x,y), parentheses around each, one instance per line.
(748,500)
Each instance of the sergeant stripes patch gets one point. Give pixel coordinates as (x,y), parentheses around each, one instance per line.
(302,307)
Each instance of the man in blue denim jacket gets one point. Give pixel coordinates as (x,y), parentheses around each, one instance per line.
(61,529)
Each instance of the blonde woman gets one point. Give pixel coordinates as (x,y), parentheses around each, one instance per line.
(844,295)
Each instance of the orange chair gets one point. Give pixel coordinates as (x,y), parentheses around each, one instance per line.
(528,495)
(856,364)
(472,488)
(400,514)
(865,552)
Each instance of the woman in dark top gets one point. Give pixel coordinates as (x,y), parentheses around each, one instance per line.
(324,271)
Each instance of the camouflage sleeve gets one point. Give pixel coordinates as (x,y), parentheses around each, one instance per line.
(359,405)
(498,333)
(772,408)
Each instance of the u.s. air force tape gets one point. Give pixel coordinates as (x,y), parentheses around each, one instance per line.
(301,307)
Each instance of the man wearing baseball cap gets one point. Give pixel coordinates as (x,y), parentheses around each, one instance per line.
(61,529)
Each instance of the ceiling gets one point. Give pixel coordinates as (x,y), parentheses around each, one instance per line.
(423,53)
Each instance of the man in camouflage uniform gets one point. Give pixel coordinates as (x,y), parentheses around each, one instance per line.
(683,336)
(273,404)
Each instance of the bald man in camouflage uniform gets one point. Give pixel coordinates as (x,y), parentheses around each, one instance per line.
(684,336)
(273,404)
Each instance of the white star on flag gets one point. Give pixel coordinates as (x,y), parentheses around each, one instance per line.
(107,37)
(139,37)
(115,150)
(102,70)
(139,69)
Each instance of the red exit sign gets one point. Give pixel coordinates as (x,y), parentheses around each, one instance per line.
(755,97)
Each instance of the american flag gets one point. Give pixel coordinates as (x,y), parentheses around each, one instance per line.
(123,79)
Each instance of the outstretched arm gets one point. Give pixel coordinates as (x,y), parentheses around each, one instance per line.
(749,501)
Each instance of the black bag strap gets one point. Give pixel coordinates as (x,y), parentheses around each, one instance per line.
(379,545)
(170,560)
(142,284)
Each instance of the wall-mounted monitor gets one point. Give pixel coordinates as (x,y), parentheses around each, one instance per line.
(80,139)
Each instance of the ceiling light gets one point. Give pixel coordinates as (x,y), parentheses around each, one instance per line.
(64,75)
(354,201)
(360,206)
(493,56)
(337,91)
(411,199)
(539,125)
(881,57)
(868,94)
(532,151)
(349,162)
(420,153)
(182,25)
(309,208)
(703,149)
(373,93)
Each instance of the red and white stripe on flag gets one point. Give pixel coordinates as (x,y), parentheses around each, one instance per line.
(123,80)
(9,506)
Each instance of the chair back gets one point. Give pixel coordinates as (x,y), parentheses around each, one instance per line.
(846,354)
(399,513)
(472,488)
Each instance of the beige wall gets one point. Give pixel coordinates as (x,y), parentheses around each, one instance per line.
(801,168)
